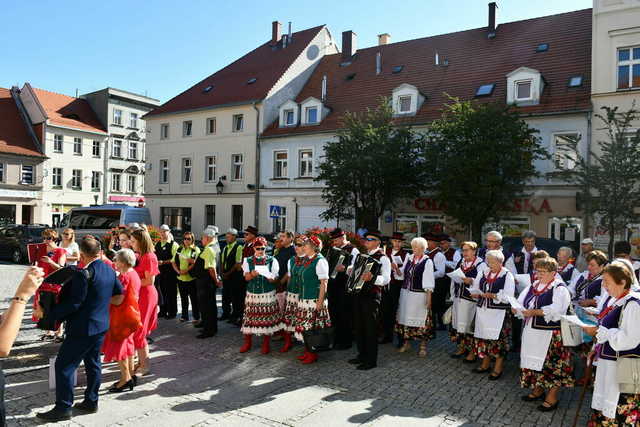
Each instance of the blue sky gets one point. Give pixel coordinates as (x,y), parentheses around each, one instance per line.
(162,47)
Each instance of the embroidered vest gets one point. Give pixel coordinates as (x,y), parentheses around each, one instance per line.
(310,287)
(588,289)
(295,281)
(448,254)
(567,273)
(402,254)
(413,274)
(260,285)
(461,290)
(542,300)
(518,260)
(493,288)
(612,320)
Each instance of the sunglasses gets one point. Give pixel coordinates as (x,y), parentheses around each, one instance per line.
(67,234)
(259,249)
(47,238)
(371,239)
(299,245)
(187,239)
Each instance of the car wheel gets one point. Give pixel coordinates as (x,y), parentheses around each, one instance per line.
(16,256)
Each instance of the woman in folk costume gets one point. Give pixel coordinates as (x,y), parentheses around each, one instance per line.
(414,318)
(294,282)
(312,312)
(261,311)
(567,271)
(617,341)
(493,325)
(464,306)
(544,361)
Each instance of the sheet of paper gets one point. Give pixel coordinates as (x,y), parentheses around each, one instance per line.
(514,303)
(457,275)
(575,320)
(475,291)
(263,270)
(522,282)
(591,310)
(397,260)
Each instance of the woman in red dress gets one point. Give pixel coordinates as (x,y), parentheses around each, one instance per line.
(54,259)
(123,351)
(147,269)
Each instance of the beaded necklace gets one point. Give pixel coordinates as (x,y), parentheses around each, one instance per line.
(468,267)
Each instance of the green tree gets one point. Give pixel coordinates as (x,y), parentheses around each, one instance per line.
(608,174)
(480,156)
(373,164)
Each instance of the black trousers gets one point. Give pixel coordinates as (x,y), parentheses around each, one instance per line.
(390,300)
(239,293)
(168,281)
(516,332)
(2,410)
(227,298)
(439,302)
(366,308)
(340,312)
(188,292)
(208,307)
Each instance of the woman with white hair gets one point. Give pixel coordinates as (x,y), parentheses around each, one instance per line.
(567,271)
(493,325)
(414,320)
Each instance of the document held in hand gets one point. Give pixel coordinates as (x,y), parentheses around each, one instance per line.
(457,275)
(263,270)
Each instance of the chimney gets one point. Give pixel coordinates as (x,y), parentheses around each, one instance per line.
(384,39)
(289,37)
(492,19)
(276,33)
(348,44)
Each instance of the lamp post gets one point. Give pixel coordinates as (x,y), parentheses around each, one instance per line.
(219,186)
(95,198)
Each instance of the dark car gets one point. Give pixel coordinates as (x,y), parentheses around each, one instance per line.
(512,244)
(14,240)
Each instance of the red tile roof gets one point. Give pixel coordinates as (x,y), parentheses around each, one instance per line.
(68,111)
(14,138)
(474,60)
(229,85)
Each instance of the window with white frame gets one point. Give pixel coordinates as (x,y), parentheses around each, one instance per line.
(237,161)
(280,223)
(211,125)
(629,68)
(133,120)
(187,128)
(305,166)
(209,215)
(210,169)
(164,171)
(289,117)
(238,122)
(57,143)
(404,103)
(523,90)
(117,116)
(1,172)
(164,131)
(133,150)
(116,182)
(311,115)
(95,149)
(76,179)
(95,180)
(186,170)
(131,184)
(280,161)
(564,155)
(27,175)
(56,177)
(117,148)
(77,146)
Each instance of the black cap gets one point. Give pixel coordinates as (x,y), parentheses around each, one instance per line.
(336,232)
(373,233)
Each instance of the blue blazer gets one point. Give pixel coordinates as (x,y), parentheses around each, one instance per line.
(84,300)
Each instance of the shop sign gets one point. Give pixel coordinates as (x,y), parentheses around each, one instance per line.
(535,207)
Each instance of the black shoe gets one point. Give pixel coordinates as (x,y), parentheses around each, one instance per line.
(342,346)
(198,325)
(171,316)
(493,376)
(223,317)
(549,408)
(231,320)
(124,387)
(468,361)
(134,378)
(480,370)
(55,415)
(365,366)
(355,361)
(203,335)
(384,341)
(458,355)
(529,398)
(86,407)
(149,340)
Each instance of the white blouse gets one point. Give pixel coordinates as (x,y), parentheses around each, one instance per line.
(428,278)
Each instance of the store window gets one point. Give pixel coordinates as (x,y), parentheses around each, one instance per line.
(417,225)
(176,218)
(565,228)
(508,226)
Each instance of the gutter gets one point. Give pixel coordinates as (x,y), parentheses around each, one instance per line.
(151,113)
(586,224)
(256,208)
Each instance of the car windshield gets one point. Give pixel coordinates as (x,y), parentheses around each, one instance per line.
(100,219)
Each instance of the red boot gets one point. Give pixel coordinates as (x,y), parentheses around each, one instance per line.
(287,343)
(312,358)
(304,355)
(266,348)
(247,344)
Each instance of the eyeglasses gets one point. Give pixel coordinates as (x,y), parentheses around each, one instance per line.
(47,238)
(259,249)
(299,245)
(187,239)
(67,234)
(492,241)
(543,271)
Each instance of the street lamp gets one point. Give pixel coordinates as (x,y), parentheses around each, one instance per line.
(95,198)
(219,186)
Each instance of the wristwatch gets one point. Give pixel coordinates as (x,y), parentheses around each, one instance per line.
(19,299)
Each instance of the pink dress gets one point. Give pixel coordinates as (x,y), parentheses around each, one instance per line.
(120,350)
(148,301)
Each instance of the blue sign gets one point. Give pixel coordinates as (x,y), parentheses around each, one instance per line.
(275,211)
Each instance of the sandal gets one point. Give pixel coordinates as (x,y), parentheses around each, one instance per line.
(405,347)
(423,350)
(481,370)
(548,407)
(532,397)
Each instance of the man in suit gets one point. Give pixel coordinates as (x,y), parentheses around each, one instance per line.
(84,305)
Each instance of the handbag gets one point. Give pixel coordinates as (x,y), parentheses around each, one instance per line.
(571,333)
(319,339)
(447,316)
(124,319)
(627,370)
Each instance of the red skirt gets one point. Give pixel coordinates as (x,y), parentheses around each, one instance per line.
(117,350)
(148,303)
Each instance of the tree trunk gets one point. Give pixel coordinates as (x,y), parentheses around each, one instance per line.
(612,237)
(476,233)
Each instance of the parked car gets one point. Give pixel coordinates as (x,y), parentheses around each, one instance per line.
(14,240)
(512,244)
(99,220)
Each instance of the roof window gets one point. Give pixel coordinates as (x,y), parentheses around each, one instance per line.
(207,89)
(575,81)
(396,69)
(350,76)
(485,90)
(251,81)
(542,47)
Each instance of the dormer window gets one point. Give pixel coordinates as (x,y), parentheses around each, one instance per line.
(312,111)
(289,117)
(311,114)
(523,90)
(524,86)
(288,114)
(404,104)
(406,100)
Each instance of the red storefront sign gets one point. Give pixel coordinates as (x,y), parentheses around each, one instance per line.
(535,207)
(137,199)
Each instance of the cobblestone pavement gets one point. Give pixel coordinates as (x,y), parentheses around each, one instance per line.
(207,382)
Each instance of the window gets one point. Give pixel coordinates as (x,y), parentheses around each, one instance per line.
(306,163)
(95,151)
(523,90)
(564,155)
(57,143)
(629,68)
(164,171)
(115,182)
(95,181)
(280,223)
(396,69)
(210,169)
(176,218)
(238,122)
(280,164)
(133,150)
(575,81)
(236,216)
(117,148)
(1,172)
(77,145)
(27,174)
(485,90)
(133,120)
(311,114)
(289,117)
(211,126)
(236,167)
(56,177)
(131,184)
(164,131)
(404,103)
(542,47)
(117,117)
(207,89)
(186,171)
(76,179)
(209,215)
(186,128)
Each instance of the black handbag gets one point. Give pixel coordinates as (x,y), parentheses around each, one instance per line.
(320,339)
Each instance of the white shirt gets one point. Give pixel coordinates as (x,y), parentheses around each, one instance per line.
(428,277)
(354,254)
(71,249)
(457,256)
(401,266)
(511,265)
(439,263)
(384,277)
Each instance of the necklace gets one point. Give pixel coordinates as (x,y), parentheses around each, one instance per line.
(308,262)
(467,267)
(537,292)
(606,311)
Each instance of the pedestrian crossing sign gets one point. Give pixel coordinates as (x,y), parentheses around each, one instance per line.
(275,211)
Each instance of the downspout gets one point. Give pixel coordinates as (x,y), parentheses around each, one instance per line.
(256,209)
(105,173)
(586,225)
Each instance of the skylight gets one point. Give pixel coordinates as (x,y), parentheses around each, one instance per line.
(350,76)
(207,89)
(396,69)
(485,90)
(251,81)
(542,47)
(575,81)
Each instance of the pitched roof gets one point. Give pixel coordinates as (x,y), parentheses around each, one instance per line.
(68,111)
(14,138)
(473,60)
(229,85)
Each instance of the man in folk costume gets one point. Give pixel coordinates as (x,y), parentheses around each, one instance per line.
(493,242)
(340,301)
(366,305)
(391,294)
(232,280)
(439,305)
(261,312)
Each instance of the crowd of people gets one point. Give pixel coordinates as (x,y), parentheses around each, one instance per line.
(488,300)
